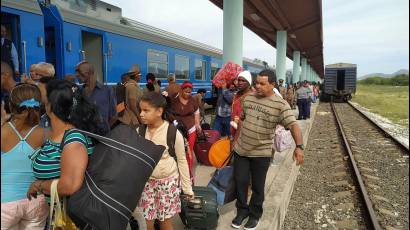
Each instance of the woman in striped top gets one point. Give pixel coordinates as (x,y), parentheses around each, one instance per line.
(64,155)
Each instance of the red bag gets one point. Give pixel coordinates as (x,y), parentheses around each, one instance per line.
(226,74)
(203,143)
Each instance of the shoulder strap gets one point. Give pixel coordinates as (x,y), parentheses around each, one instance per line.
(62,144)
(171,137)
(15,130)
(29,132)
(142,129)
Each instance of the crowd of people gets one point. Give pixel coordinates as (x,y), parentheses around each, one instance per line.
(40,115)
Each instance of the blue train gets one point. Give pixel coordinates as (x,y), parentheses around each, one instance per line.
(66,32)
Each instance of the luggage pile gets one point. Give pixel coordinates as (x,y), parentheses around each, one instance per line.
(202,211)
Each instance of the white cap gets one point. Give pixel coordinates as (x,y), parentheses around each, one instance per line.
(247,75)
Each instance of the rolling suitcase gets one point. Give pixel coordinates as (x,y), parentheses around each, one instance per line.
(203,143)
(202,211)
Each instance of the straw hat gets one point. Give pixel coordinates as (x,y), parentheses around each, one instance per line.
(134,69)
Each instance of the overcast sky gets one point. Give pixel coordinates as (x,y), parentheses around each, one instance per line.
(374,34)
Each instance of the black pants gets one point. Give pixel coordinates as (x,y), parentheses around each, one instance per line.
(303,108)
(308,105)
(256,168)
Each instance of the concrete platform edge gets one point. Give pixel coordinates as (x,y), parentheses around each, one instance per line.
(278,194)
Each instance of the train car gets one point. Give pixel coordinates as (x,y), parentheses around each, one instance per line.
(96,31)
(340,81)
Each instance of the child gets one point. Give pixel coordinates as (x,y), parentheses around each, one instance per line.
(161,196)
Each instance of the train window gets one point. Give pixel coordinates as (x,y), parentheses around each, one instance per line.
(214,70)
(158,63)
(200,68)
(181,67)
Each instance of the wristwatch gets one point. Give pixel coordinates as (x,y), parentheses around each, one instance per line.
(301,146)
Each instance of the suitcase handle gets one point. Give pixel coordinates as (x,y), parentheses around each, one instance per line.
(194,207)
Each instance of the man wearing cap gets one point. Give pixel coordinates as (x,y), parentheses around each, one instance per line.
(98,93)
(244,80)
(133,94)
(302,95)
(172,88)
(262,112)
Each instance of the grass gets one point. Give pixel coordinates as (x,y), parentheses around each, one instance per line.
(391,102)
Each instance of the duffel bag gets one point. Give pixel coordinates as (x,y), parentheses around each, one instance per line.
(222,182)
(114,180)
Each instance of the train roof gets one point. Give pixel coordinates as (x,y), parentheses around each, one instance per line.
(25,5)
(341,65)
(101,15)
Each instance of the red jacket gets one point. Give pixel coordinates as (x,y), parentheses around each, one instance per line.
(236,112)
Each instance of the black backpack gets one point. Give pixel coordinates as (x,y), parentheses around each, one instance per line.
(171,136)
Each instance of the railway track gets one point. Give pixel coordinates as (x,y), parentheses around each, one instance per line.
(380,166)
(327,194)
(385,131)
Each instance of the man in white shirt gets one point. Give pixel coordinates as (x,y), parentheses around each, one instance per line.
(9,52)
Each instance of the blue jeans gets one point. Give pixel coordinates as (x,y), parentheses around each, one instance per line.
(222,125)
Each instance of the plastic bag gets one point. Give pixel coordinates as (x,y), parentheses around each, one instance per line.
(283,139)
(61,220)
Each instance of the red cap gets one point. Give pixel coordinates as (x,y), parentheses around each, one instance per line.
(186,84)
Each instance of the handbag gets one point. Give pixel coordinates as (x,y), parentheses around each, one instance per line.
(283,139)
(61,219)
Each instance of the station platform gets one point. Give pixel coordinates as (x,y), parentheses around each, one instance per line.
(280,180)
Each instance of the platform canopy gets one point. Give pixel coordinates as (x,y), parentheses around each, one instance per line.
(302,19)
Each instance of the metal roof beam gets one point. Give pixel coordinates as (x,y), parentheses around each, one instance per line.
(306,24)
(265,11)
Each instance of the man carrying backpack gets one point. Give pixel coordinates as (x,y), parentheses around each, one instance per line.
(133,94)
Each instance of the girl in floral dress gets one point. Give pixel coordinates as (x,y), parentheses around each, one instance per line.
(161,196)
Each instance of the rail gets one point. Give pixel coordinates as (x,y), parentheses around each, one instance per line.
(381,128)
(369,206)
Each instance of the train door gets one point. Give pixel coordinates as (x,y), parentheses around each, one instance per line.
(92,47)
(12,24)
(340,81)
(53,32)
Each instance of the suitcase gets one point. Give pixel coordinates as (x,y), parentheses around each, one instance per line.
(202,211)
(203,143)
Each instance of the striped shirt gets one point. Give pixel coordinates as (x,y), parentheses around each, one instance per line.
(46,161)
(260,116)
